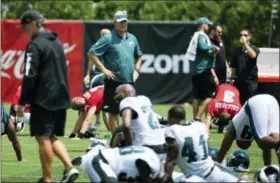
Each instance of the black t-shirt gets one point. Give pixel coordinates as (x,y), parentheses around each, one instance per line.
(220,64)
(246,67)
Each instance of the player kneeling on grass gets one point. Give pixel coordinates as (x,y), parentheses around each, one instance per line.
(89,104)
(139,122)
(258,119)
(20,115)
(187,146)
(131,163)
(224,106)
(8,127)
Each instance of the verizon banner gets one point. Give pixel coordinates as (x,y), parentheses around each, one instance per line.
(165,71)
(13,48)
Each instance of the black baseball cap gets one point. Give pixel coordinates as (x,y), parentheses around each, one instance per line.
(29,16)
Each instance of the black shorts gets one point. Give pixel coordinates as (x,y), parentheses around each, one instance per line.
(203,85)
(47,123)
(109,104)
(12,111)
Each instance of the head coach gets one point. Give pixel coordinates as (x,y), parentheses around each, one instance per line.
(45,88)
(121,62)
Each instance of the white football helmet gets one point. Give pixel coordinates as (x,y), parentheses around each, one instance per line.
(267,174)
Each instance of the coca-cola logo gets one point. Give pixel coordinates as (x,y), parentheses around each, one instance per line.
(15,59)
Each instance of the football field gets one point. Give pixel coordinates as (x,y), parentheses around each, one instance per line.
(29,169)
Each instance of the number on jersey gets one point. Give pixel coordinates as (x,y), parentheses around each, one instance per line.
(246,132)
(153,124)
(129,150)
(228,96)
(189,152)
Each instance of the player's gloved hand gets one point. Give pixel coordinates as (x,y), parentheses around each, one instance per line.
(86,81)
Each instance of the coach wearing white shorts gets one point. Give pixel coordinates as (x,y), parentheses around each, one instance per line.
(257,120)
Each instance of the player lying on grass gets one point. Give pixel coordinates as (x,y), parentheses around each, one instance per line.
(20,115)
(257,120)
(127,164)
(87,105)
(224,106)
(140,124)
(187,146)
(8,127)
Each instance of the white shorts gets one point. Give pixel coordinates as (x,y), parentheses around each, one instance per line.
(264,113)
(96,166)
(221,174)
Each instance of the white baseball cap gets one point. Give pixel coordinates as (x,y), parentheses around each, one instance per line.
(121,16)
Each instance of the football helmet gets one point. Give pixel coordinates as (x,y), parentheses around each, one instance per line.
(238,161)
(95,143)
(213,152)
(267,174)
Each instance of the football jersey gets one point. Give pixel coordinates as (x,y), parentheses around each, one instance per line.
(94,98)
(226,100)
(193,157)
(15,102)
(122,160)
(257,118)
(145,125)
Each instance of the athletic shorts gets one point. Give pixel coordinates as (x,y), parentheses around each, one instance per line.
(47,123)
(109,104)
(220,173)
(263,111)
(99,169)
(203,85)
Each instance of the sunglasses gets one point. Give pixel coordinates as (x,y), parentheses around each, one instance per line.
(244,35)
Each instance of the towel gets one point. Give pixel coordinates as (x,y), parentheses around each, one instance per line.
(191,51)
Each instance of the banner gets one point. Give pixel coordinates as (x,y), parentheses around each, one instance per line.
(165,71)
(13,46)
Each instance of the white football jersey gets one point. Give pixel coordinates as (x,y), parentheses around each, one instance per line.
(145,125)
(122,160)
(193,157)
(258,117)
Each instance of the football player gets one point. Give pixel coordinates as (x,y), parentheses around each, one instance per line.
(87,105)
(20,115)
(8,127)
(127,164)
(187,146)
(224,106)
(257,120)
(140,123)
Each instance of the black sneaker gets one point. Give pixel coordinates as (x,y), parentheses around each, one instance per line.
(72,135)
(77,161)
(221,129)
(70,176)
(41,180)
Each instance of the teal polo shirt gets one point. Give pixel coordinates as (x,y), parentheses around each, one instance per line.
(119,54)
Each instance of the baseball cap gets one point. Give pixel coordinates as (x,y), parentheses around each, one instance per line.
(120,16)
(29,16)
(204,20)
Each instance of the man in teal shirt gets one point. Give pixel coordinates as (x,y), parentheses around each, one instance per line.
(121,55)
(204,78)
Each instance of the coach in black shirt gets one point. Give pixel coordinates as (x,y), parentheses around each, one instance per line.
(45,88)
(221,66)
(244,67)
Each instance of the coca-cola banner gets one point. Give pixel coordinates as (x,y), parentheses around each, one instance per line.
(13,46)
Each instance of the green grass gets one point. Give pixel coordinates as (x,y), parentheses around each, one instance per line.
(29,170)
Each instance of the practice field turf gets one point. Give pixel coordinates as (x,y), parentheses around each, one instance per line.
(29,169)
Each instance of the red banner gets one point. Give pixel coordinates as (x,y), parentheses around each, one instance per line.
(13,46)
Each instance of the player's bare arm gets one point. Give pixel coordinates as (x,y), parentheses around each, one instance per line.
(226,145)
(266,156)
(172,153)
(208,121)
(100,66)
(79,122)
(87,120)
(126,119)
(138,62)
(268,142)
